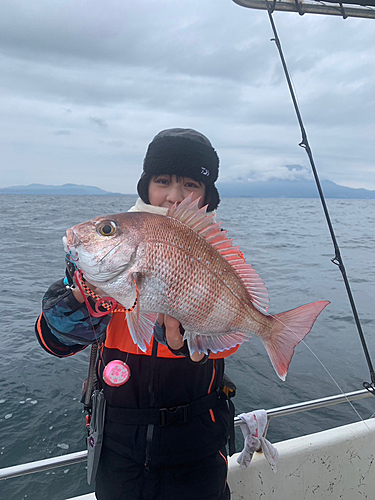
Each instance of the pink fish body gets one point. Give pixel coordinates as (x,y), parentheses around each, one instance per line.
(183,265)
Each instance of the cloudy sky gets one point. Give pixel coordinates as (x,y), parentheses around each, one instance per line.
(85,85)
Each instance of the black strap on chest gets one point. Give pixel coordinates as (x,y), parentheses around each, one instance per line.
(163,416)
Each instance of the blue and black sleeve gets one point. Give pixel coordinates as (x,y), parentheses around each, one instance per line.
(65,325)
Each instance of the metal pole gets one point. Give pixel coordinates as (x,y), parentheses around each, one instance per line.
(313,405)
(305,144)
(43,465)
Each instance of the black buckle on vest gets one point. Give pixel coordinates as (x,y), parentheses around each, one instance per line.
(175,415)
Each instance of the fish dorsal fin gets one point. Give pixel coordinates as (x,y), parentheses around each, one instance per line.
(189,213)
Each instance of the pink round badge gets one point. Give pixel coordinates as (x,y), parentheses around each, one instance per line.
(116,373)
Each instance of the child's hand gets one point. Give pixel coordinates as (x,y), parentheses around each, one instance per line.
(78,295)
(174,338)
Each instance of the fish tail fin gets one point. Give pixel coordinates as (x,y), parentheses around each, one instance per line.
(289,328)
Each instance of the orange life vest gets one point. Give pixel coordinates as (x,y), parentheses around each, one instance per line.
(118,337)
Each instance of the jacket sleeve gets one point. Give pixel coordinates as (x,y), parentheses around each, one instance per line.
(65,325)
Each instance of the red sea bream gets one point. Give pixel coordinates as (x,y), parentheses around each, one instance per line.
(183,265)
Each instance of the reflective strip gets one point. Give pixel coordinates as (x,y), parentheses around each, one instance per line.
(61,350)
(40,334)
(226,463)
(212,415)
(225,460)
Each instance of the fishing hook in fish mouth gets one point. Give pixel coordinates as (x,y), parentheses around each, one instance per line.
(70,258)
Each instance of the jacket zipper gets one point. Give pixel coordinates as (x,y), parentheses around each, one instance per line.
(150,427)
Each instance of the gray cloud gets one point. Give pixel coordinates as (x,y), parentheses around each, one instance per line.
(86,85)
(62,132)
(98,121)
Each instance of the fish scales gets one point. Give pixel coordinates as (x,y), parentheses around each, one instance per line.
(202,284)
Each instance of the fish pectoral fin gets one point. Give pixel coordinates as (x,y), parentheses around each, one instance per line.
(213,342)
(141,327)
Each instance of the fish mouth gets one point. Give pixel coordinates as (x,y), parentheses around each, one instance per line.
(70,242)
(71,238)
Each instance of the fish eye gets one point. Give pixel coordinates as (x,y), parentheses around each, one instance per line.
(107,228)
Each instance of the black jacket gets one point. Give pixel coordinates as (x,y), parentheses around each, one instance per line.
(156,382)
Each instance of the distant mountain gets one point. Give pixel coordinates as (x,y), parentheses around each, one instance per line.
(277,188)
(66,189)
(280,188)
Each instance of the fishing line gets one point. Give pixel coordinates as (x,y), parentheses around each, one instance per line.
(325,368)
(337,260)
(116,372)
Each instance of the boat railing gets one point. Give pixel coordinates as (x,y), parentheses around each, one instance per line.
(313,7)
(81,456)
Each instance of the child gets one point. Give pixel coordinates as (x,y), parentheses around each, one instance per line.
(180,455)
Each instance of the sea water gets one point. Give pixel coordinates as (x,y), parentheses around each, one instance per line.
(287,242)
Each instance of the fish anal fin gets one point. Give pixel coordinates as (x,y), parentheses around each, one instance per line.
(214,342)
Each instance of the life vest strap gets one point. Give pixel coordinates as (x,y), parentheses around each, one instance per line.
(163,416)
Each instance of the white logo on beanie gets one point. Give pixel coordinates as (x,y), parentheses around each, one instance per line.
(205,171)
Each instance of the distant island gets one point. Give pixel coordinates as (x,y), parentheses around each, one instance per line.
(277,188)
(65,189)
(280,188)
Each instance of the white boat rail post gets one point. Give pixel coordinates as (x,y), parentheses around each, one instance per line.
(81,456)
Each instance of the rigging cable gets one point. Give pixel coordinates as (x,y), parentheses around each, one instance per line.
(337,260)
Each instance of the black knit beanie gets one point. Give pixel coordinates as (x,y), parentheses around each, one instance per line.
(183,152)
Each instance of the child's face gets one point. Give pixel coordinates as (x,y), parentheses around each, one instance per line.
(165,190)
